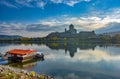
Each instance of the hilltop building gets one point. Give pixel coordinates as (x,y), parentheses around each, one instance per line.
(87,34)
(72,33)
(71,30)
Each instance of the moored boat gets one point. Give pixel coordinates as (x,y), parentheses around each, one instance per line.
(20,55)
(39,55)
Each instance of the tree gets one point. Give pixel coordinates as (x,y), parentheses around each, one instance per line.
(64,38)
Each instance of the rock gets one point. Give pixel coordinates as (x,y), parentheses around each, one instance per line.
(7,72)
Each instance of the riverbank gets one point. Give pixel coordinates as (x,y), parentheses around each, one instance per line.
(7,72)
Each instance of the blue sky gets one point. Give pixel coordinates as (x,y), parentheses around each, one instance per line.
(37,18)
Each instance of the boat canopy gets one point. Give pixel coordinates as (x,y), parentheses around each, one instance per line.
(20,51)
(40,53)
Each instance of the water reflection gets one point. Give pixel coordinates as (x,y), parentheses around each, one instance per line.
(71,47)
(25,65)
(73,60)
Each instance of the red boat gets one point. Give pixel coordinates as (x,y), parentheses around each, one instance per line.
(21,55)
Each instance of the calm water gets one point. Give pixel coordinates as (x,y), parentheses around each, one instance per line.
(73,61)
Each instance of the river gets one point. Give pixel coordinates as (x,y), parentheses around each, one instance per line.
(72,61)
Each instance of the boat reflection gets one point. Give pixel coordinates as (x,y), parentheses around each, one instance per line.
(25,65)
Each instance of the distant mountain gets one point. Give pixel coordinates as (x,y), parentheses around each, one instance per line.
(10,36)
(112,33)
(111,27)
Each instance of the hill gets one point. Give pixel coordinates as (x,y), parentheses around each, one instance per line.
(10,36)
(112,33)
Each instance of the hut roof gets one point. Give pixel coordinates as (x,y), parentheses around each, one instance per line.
(20,51)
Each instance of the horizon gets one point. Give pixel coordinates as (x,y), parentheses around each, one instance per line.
(38,18)
(77,32)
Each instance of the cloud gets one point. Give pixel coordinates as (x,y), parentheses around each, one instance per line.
(31,3)
(89,56)
(23,3)
(72,3)
(110,27)
(70,76)
(26,30)
(108,21)
(8,4)
(41,4)
(26,3)
(81,23)
(88,23)
(11,28)
(15,26)
(56,1)
(69,2)
(38,3)
(51,22)
(40,27)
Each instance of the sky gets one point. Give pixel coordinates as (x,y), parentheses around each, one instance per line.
(38,18)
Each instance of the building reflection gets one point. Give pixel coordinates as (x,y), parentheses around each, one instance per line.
(70,47)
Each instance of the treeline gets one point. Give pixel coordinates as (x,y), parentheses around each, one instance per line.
(24,40)
(99,38)
(114,39)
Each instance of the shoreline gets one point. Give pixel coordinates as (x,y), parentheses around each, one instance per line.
(7,72)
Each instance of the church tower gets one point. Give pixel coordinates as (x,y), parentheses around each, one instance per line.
(65,30)
(71,27)
(72,30)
